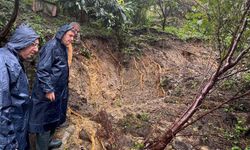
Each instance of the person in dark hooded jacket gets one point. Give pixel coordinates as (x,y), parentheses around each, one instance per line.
(50,91)
(14,91)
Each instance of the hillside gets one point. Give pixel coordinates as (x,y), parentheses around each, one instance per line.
(122,104)
(118,100)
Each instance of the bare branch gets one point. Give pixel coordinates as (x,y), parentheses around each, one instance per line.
(238,35)
(218,33)
(241,55)
(234,73)
(231,64)
(160,4)
(216,108)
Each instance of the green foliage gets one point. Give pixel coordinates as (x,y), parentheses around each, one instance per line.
(212,20)
(196,25)
(46,27)
(229,84)
(228,109)
(6,11)
(37,23)
(143,117)
(109,12)
(236,148)
(171,12)
(223,17)
(239,129)
(186,32)
(132,51)
(128,9)
(94,29)
(86,53)
(27,2)
(138,11)
(177,91)
(132,121)
(246,77)
(137,146)
(244,81)
(236,106)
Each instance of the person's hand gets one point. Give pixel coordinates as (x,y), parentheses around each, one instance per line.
(51,96)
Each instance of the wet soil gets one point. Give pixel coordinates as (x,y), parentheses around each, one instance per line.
(117,106)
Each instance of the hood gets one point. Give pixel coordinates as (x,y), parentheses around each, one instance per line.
(62,31)
(22,37)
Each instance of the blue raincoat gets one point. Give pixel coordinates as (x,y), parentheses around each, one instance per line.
(14,91)
(52,76)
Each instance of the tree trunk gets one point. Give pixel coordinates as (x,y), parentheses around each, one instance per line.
(164,23)
(7,28)
(83,17)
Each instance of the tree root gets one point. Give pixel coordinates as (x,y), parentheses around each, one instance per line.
(141,74)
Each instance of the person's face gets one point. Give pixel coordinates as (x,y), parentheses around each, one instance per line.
(30,50)
(76,29)
(68,38)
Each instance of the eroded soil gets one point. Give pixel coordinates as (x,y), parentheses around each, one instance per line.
(117,105)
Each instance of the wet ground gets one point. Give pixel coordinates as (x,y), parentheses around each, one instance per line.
(117,105)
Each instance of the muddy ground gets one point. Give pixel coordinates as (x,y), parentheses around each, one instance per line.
(117,103)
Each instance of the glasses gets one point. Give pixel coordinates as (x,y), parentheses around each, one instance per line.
(75,31)
(35,44)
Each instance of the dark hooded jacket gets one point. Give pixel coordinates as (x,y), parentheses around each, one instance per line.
(14,91)
(52,76)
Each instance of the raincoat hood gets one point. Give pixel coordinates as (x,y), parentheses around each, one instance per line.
(60,33)
(15,101)
(52,75)
(22,37)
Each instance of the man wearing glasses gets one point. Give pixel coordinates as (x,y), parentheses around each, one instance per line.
(14,90)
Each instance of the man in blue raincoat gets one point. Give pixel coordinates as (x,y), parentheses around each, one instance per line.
(50,91)
(14,91)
